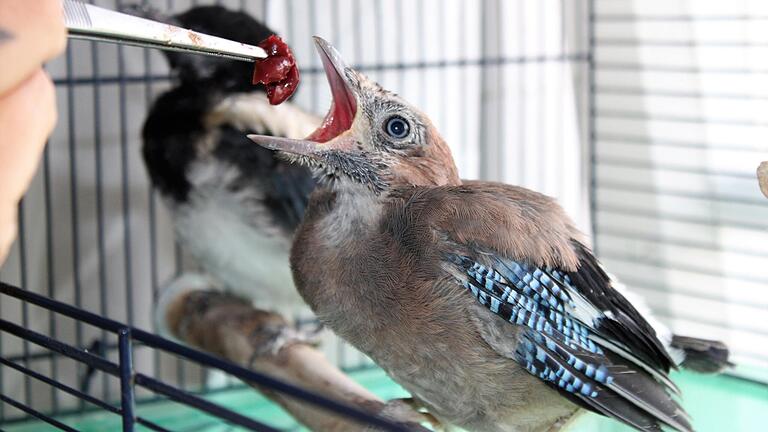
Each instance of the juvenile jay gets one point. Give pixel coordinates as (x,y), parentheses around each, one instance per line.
(234,205)
(481,299)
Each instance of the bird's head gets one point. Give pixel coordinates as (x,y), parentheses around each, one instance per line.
(370,136)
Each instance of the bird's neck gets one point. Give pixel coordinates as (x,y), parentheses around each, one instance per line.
(353,214)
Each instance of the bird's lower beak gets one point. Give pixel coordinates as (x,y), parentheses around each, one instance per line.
(302,147)
(332,133)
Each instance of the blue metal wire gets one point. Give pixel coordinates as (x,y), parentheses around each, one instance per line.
(99,197)
(378,67)
(31,411)
(125,182)
(151,200)
(75,222)
(77,393)
(22,242)
(199,357)
(49,261)
(201,404)
(127,398)
(59,347)
(127,379)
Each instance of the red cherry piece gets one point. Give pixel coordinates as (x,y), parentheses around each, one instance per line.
(272,69)
(278,71)
(283,89)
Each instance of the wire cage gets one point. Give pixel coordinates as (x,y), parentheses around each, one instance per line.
(678,130)
(131,380)
(94,235)
(554,95)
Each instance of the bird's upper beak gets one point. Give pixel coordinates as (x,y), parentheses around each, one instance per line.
(333,133)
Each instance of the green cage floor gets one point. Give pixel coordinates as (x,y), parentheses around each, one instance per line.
(716,403)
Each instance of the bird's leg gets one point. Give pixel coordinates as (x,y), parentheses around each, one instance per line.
(563,423)
(415,409)
(310,335)
(231,327)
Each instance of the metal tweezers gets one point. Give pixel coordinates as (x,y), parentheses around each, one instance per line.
(85,21)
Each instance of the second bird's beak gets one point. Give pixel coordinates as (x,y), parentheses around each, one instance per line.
(334,132)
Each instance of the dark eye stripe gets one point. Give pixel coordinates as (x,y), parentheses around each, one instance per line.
(397,127)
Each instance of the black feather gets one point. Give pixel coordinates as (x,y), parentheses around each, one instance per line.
(286,187)
(173,126)
(628,326)
(559,350)
(175,129)
(702,355)
(607,402)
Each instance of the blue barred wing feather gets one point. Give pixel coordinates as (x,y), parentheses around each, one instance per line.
(580,346)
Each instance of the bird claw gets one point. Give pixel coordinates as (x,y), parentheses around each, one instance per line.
(310,336)
(412,410)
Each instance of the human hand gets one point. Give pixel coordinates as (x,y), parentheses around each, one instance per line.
(31,32)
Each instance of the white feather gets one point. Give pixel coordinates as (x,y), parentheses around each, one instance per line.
(252,111)
(662,331)
(228,231)
(585,312)
(234,239)
(169,292)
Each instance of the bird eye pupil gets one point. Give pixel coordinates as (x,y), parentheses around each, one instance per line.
(397,127)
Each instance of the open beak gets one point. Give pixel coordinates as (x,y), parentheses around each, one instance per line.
(332,133)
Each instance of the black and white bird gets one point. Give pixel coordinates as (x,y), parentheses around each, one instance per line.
(234,205)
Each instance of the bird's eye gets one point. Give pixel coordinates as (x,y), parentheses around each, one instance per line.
(397,127)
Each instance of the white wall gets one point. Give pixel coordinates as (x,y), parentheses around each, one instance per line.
(681,126)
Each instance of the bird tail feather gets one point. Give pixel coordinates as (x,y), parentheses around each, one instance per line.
(702,355)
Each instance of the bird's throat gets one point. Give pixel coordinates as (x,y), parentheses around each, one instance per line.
(354,214)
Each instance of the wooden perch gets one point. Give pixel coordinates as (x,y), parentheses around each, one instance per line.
(229,326)
(762,177)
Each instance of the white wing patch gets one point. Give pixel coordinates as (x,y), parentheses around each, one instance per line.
(662,331)
(236,242)
(252,111)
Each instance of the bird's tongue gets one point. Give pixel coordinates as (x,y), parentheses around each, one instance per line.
(338,120)
(343,107)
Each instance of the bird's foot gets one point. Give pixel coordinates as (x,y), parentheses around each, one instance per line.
(411,409)
(564,423)
(310,335)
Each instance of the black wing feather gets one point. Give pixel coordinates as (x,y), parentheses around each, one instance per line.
(286,187)
(628,326)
